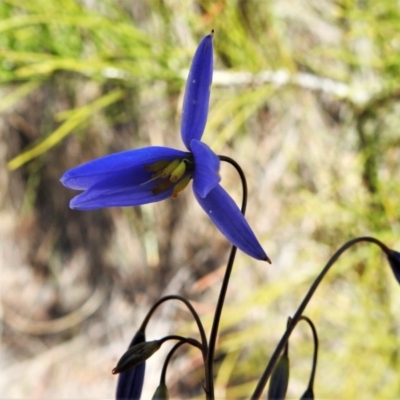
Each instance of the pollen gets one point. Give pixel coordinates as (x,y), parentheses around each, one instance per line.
(180,186)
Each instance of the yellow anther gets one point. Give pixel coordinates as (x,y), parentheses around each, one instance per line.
(180,186)
(157,166)
(178,172)
(162,169)
(168,169)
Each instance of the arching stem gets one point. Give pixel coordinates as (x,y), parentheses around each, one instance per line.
(191,309)
(315,355)
(282,343)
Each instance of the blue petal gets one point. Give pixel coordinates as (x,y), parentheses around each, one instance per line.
(130,383)
(197,93)
(206,168)
(227,217)
(86,175)
(120,190)
(119,180)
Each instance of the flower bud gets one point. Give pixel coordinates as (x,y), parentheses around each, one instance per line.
(279,379)
(135,355)
(161,393)
(394,261)
(308,394)
(130,383)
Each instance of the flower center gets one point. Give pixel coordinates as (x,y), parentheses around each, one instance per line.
(176,173)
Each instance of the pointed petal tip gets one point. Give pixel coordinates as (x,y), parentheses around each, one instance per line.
(64,179)
(264,257)
(77,205)
(72,204)
(227,217)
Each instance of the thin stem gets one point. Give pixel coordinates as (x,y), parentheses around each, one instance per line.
(315,355)
(191,309)
(167,360)
(242,179)
(281,345)
(209,367)
(191,341)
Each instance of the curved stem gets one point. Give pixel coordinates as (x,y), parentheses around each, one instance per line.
(191,309)
(316,345)
(209,367)
(182,339)
(167,360)
(274,358)
(242,178)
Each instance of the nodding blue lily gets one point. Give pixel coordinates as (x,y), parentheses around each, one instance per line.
(151,174)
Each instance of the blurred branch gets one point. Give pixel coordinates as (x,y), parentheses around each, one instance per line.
(74,318)
(284,77)
(357,95)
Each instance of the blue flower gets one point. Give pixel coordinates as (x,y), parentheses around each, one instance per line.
(130,383)
(151,174)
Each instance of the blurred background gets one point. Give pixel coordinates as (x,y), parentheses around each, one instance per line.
(306,97)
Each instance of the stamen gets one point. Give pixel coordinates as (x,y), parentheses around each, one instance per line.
(178,172)
(181,185)
(157,166)
(163,169)
(169,168)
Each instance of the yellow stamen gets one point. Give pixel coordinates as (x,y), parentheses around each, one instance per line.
(162,168)
(178,172)
(169,168)
(157,166)
(175,170)
(181,185)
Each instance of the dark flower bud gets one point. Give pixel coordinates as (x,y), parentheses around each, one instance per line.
(161,393)
(136,354)
(130,383)
(308,394)
(394,261)
(280,378)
